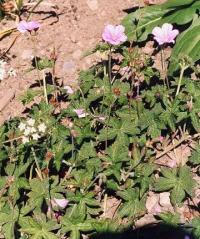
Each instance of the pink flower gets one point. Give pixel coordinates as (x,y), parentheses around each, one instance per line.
(80,113)
(114,34)
(69,89)
(102,118)
(161,138)
(186,237)
(165,34)
(24,26)
(61,202)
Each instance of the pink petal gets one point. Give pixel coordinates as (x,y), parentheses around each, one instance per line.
(80,113)
(22,26)
(69,89)
(186,237)
(123,38)
(157,32)
(165,34)
(61,202)
(174,34)
(120,28)
(114,34)
(33,25)
(166,27)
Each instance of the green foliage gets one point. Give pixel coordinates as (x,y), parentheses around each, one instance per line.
(170,218)
(44,63)
(141,23)
(179,182)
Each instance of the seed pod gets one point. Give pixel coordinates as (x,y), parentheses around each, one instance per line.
(117,91)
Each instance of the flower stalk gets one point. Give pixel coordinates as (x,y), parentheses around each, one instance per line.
(38,170)
(183,68)
(45,87)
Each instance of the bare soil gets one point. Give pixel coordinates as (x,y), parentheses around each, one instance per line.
(71,27)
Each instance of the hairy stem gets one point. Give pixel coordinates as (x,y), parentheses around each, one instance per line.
(45,87)
(183,68)
(34,40)
(39,172)
(110,67)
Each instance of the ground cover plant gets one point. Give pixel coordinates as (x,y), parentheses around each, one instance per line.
(127,134)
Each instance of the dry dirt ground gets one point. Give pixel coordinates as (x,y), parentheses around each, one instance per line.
(69,26)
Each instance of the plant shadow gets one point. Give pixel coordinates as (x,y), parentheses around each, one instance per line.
(158,231)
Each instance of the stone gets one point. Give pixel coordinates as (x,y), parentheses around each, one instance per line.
(152,202)
(69,66)
(164,200)
(92,4)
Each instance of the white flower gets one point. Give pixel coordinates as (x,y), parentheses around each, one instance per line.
(35,136)
(2,63)
(25,140)
(27,131)
(69,89)
(31,122)
(12,72)
(2,69)
(2,73)
(22,126)
(42,128)
(32,129)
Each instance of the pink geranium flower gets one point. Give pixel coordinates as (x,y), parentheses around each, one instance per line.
(186,237)
(24,26)
(80,113)
(165,34)
(114,35)
(61,202)
(69,89)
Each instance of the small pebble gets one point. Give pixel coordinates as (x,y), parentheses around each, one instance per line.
(92,4)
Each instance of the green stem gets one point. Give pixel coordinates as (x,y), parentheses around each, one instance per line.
(162,63)
(183,68)
(45,87)
(110,108)
(34,40)
(39,172)
(164,67)
(110,67)
(49,194)
(91,184)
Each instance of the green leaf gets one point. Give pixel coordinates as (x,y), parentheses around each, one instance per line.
(196,226)
(38,229)
(195,121)
(44,63)
(187,46)
(75,234)
(195,157)
(170,218)
(8,219)
(178,182)
(177,3)
(133,207)
(141,23)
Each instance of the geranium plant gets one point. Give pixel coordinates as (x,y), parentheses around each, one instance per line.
(118,138)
